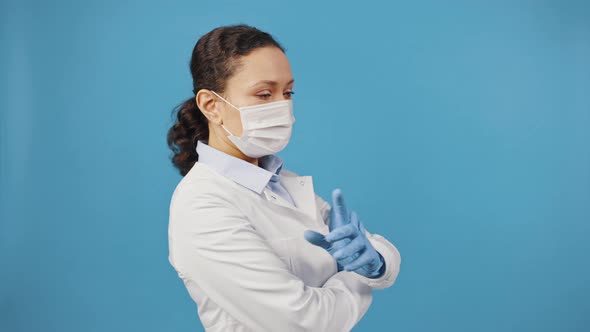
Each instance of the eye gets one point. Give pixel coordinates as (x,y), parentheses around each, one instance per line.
(290,93)
(264,96)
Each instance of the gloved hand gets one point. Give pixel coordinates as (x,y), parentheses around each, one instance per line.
(347,241)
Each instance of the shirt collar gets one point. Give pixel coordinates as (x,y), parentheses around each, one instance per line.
(247,174)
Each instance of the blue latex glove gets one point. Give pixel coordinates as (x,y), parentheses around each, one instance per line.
(347,241)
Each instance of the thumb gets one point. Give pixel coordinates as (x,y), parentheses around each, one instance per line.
(316,238)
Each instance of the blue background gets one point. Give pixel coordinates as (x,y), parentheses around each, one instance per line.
(459,130)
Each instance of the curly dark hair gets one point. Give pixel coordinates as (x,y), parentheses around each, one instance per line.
(212,63)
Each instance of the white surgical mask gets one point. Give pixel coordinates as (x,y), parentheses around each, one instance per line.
(266,127)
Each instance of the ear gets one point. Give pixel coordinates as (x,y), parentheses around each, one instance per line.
(207,103)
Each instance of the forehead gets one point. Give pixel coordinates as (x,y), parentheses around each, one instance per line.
(266,63)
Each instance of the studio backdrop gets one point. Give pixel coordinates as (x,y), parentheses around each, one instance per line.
(459,130)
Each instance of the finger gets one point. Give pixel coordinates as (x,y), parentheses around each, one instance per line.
(347,260)
(339,209)
(337,245)
(363,259)
(342,232)
(354,219)
(363,229)
(317,239)
(350,249)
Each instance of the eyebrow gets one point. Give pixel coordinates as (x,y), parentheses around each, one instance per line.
(273,83)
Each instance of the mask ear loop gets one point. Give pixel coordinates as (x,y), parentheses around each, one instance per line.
(222,126)
(224,100)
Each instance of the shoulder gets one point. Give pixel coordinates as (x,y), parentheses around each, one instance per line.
(202,186)
(204,202)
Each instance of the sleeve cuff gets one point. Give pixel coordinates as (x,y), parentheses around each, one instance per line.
(391,262)
(382,268)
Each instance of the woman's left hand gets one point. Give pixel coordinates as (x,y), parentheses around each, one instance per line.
(347,241)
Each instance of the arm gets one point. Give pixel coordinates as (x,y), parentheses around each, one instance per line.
(390,254)
(216,247)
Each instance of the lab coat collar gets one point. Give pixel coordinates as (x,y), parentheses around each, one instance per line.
(256,178)
(247,174)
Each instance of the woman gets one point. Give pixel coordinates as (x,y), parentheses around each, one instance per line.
(246,235)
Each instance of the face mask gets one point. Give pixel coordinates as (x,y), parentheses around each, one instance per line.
(266,127)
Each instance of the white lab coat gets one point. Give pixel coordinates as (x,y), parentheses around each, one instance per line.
(244,261)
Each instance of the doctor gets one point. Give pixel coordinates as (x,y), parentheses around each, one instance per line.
(256,247)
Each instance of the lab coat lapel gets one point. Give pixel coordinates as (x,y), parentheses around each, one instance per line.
(301,190)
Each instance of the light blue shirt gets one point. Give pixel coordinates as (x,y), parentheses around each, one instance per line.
(253,177)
